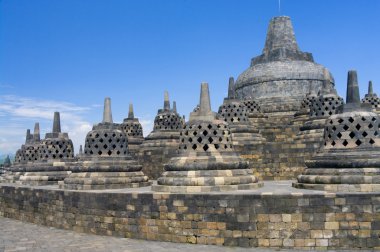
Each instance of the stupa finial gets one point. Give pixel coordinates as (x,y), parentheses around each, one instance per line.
(131,115)
(107,113)
(370,88)
(174,106)
(353,95)
(204,102)
(166,101)
(56,123)
(36,133)
(80,150)
(231,88)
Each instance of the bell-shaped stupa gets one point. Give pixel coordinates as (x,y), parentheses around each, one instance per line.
(106,163)
(207,160)
(245,137)
(134,131)
(162,143)
(282,75)
(349,159)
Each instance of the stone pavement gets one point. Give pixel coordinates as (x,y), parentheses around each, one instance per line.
(19,236)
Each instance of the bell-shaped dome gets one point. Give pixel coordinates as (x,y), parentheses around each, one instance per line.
(282,76)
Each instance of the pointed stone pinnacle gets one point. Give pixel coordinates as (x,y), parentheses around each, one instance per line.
(166,101)
(131,115)
(174,107)
(204,102)
(107,113)
(28,137)
(280,34)
(370,88)
(353,95)
(231,88)
(56,123)
(36,133)
(80,150)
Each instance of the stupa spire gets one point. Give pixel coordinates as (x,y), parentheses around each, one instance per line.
(280,34)
(36,133)
(166,101)
(107,113)
(231,88)
(353,95)
(28,136)
(370,88)
(131,115)
(56,123)
(174,106)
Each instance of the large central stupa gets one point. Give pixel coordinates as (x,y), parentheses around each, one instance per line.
(282,75)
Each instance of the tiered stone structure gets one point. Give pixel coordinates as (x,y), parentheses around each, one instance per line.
(27,154)
(349,160)
(245,137)
(106,163)
(162,143)
(278,81)
(207,160)
(372,98)
(281,77)
(134,131)
(55,155)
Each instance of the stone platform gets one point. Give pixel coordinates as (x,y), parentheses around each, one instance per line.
(276,215)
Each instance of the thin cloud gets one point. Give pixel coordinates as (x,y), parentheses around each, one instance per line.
(19,113)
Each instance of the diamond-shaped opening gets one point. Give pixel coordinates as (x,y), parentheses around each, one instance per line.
(220,139)
(333,128)
(205,132)
(105,146)
(215,132)
(358,142)
(376,133)
(329,135)
(364,134)
(118,152)
(96,146)
(190,140)
(358,126)
(345,127)
(101,140)
(194,146)
(373,119)
(225,146)
(363,119)
(352,134)
(339,135)
(199,126)
(333,143)
(114,146)
(100,152)
(371,141)
(195,133)
(216,146)
(351,120)
(370,126)
(185,147)
(232,119)
(340,120)
(209,126)
(345,143)
(210,139)
(97,135)
(109,153)
(199,139)
(110,140)
(205,147)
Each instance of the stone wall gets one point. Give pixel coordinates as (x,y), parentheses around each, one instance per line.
(290,220)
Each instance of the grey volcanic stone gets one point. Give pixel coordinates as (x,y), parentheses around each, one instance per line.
(134,131)
(282,72)
(207,160)
(349,159)
(106,162)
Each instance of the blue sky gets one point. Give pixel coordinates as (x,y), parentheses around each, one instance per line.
(69,55)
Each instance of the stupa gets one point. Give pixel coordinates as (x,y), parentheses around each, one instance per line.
(349,160)
(245,137)
(55,154)
(106,163)
(282,75)
(162,143)
(134,131)
(207,160)
(372,98)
